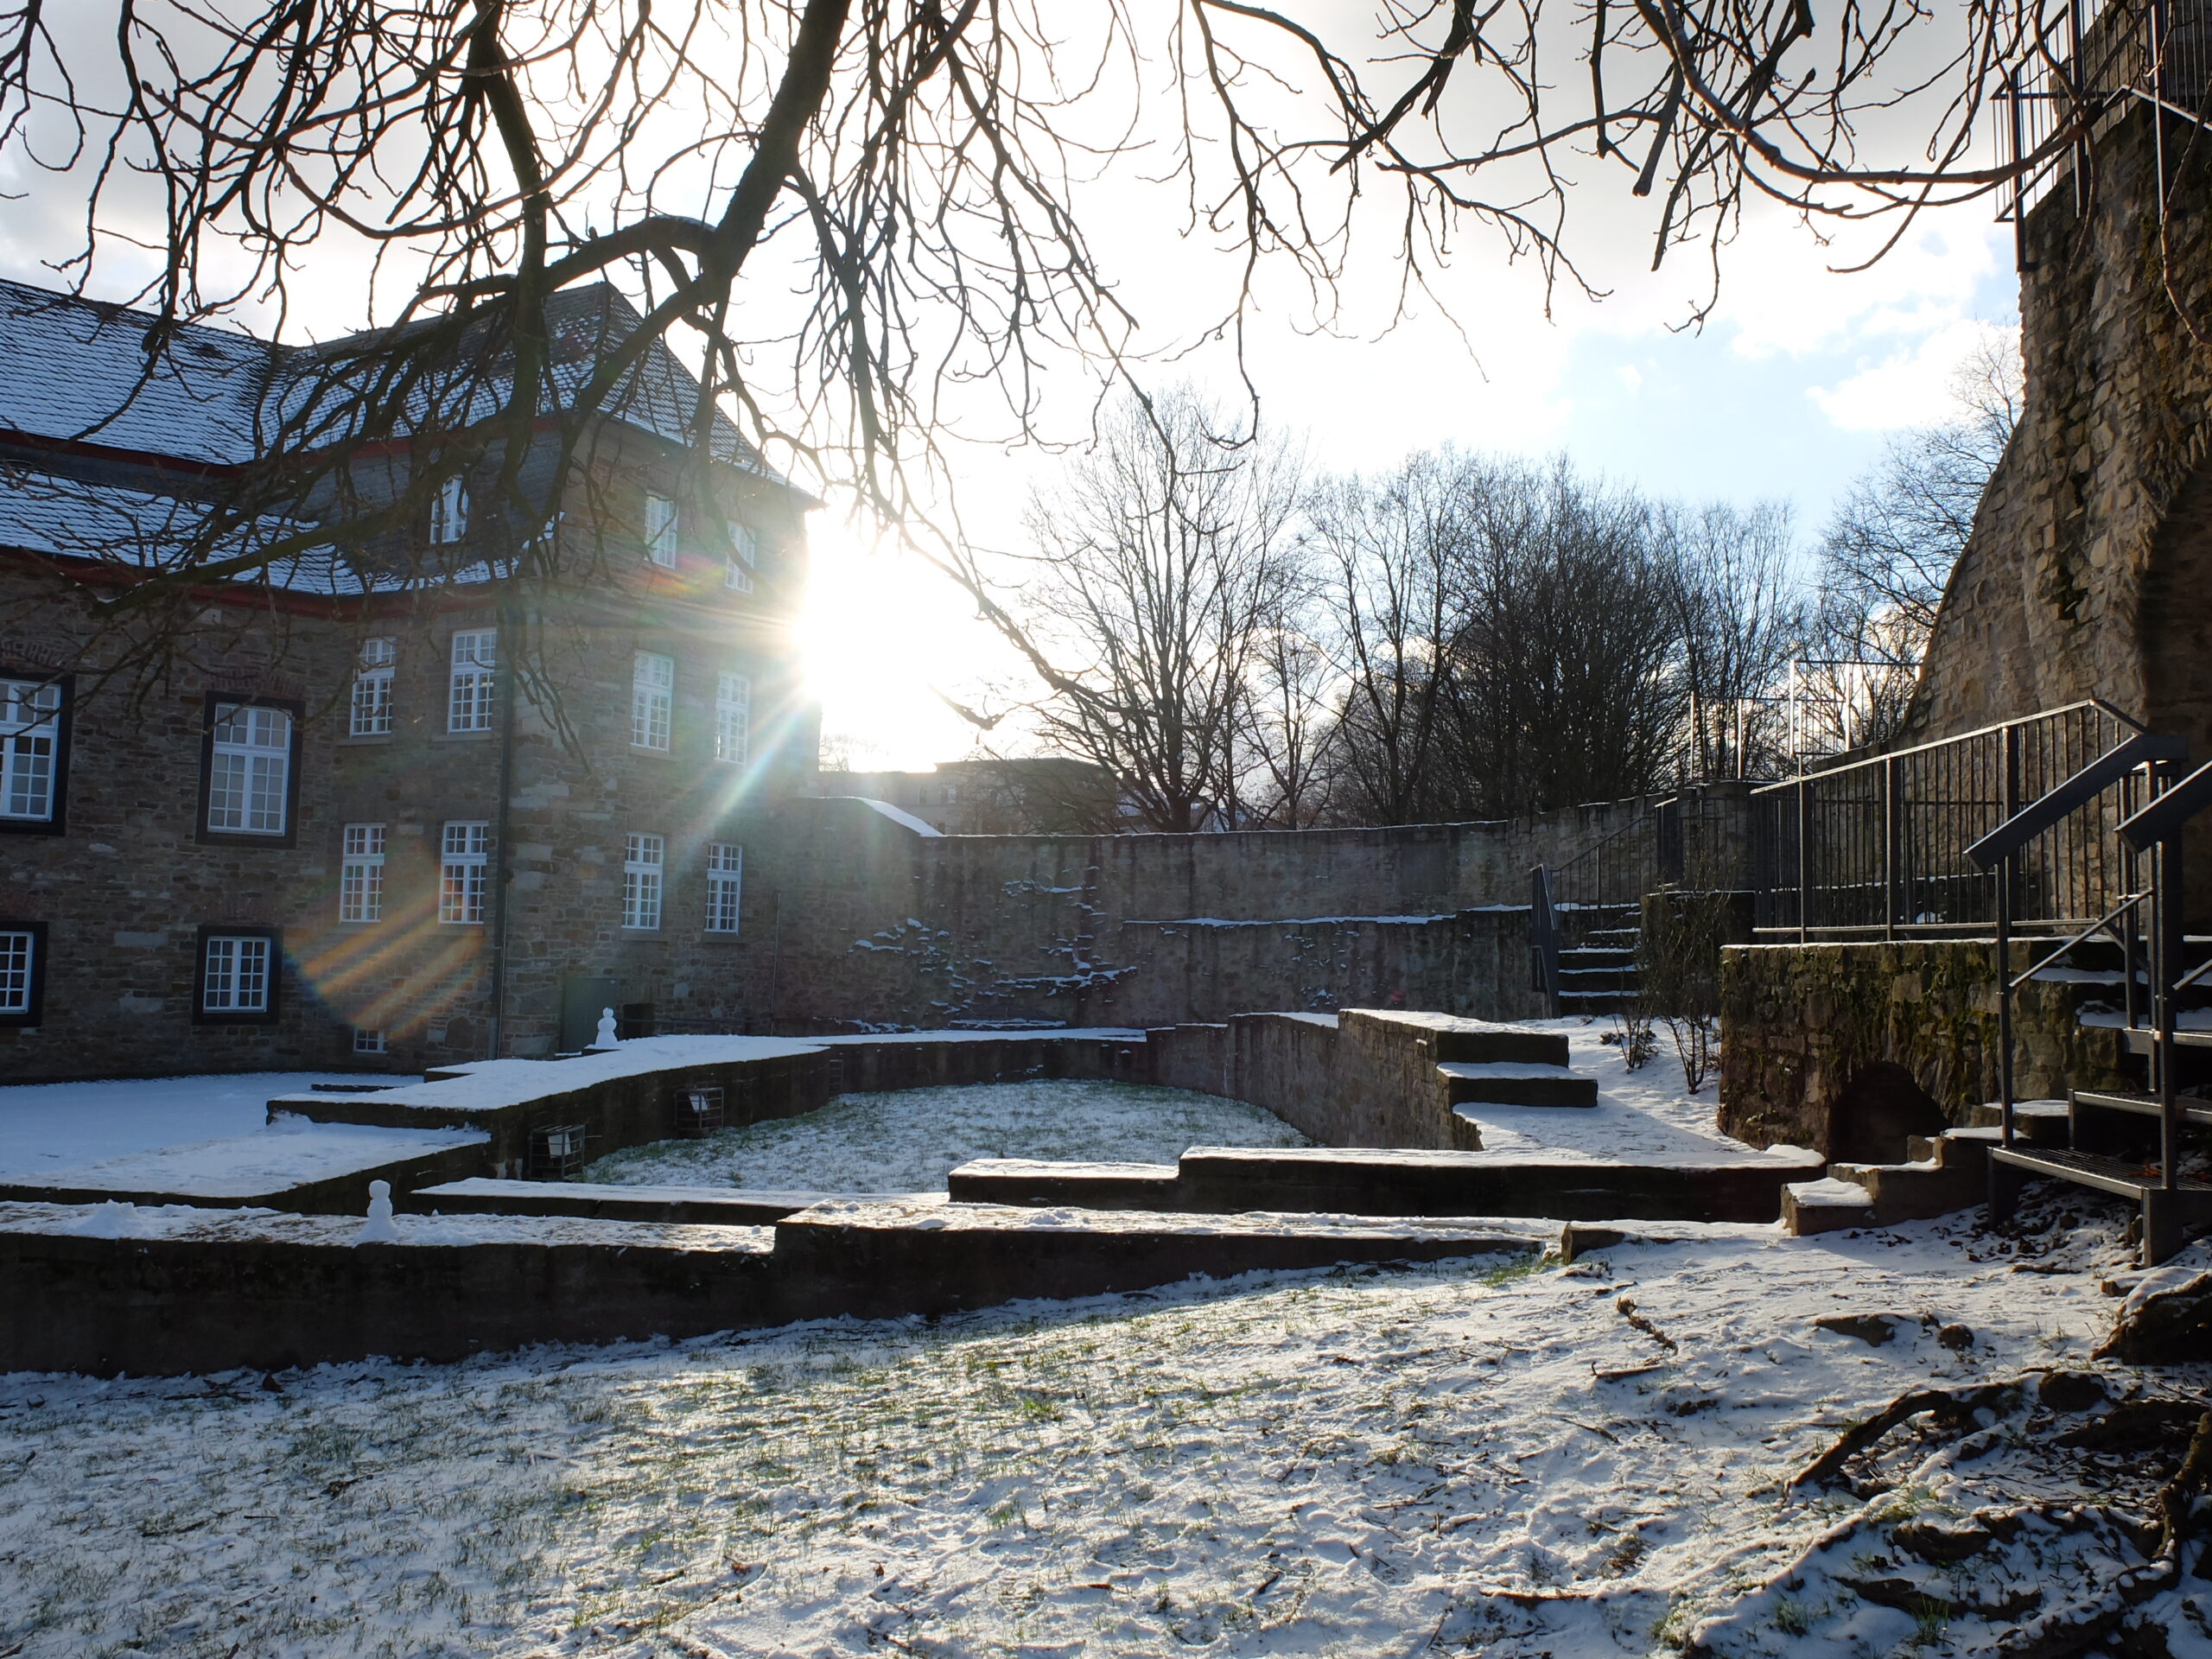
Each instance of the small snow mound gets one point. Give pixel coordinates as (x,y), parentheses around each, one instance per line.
(113,1219)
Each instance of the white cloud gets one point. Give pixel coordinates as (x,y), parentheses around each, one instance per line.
(1908,388)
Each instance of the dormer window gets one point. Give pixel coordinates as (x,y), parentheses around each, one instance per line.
(660,530)
(449,513)
(744,557)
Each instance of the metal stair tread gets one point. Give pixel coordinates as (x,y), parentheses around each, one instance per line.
(2127,1178)
(2106,1100)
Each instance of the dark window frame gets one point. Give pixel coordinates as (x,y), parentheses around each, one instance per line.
(201,833)
(201,1014)
(35,1014)
(57,823)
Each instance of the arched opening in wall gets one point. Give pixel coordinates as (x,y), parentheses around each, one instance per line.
(2174,630)
(1880,1108)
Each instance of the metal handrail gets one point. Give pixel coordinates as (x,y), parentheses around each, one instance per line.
(2162,818)
(1543,939)
(2103,924)
(1995,730)
(2083,786)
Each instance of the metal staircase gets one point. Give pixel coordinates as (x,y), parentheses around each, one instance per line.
(2129,1144)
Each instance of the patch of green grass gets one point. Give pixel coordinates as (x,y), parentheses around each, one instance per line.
(1520,1268)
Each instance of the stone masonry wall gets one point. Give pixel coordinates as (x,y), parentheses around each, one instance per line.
(2091,558)
(1799,1023)
(880,924)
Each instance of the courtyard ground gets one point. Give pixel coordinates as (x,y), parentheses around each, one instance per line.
(1517,1460)
(907,1141)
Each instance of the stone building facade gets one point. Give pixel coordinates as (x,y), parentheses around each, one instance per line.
(2091,554)
(357,825)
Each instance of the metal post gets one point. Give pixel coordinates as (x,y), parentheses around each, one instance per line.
(1804,866)
(2004,997)
(2009,743)
(1892,823)
(2165,908)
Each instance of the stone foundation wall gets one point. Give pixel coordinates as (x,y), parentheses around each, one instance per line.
(1799,1023)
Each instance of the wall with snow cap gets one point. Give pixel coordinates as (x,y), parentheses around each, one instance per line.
(883,927)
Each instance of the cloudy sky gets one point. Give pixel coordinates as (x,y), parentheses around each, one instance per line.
(1789,391)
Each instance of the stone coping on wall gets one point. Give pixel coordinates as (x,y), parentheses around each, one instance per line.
(293,1165)
(1402,1182)
(108,1288)
(745,1206)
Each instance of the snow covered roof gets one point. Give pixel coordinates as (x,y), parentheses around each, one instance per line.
(77,369)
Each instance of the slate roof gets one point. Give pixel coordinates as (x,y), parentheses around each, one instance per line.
(75,369)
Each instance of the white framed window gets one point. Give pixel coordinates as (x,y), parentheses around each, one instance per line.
(371,713)
(367,1040)
(31,749)
(732,719)
(660,531)
(360,875)
(449,511)
(19,975)
(652,700)
(250,770)
(744,557)
(463,859)
(475,681)
(641,874)
(725,884)
(236,974)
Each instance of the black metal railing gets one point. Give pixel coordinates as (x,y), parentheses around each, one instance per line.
(2088,63)
(1600,890)
(1878,848)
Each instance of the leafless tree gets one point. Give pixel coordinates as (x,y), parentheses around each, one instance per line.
(1162,562)
(1740,613)
(1891,544)
(1561,689)
(848,211)
(1390,551)
(1290,686)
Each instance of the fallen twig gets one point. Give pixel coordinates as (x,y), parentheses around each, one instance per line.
(1952,1404)
(1626,1308)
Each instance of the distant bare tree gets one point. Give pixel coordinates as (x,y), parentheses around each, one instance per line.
(1160,564)
(1289,687)
(1559,688)
(1740,611)
(1390,551)
(847,212)
(1892,542)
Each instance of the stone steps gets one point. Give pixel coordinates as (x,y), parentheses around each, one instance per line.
(1946,1174)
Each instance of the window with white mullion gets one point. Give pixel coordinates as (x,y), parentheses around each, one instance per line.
(465,859)
(652,700)
(18,972)
(30,742)
(371,710)
(475,691)
(732,719)
(642,858)
(235,976)
(725,884)
(661,531)
(360,875)
(743,559)
(250,770)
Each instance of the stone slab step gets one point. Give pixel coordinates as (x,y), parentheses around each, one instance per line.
(1509,1085)
(710,1205)
(1472,1044)
(1035,1182)
(1825,1206)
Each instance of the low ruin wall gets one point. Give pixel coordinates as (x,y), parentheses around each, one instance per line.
(880,924)
(1801,1026)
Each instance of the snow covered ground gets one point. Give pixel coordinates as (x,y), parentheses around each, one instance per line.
(1465,1458)
(1644,1114)
(48,1127)
(907,1141)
